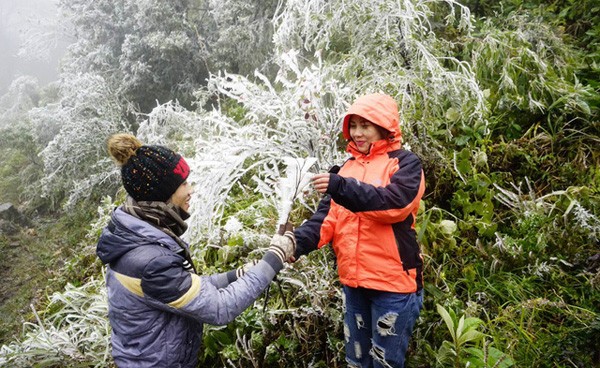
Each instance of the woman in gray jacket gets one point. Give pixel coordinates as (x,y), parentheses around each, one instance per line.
(157,301)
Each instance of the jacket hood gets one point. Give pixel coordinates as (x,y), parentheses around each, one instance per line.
(125,232)
(378,108)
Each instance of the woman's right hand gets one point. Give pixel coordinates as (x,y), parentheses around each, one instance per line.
(320,182)
(283,246)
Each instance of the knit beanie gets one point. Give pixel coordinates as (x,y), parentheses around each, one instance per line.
(149,173)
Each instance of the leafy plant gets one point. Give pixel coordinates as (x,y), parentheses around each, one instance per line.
(462,350)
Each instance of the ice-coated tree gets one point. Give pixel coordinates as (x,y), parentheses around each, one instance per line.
(392,46)
(239,35)
(154,51)
(147,50)
(23,95)
(75,159)
(297,115)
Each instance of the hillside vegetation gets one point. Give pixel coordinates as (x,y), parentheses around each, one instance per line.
(499,99)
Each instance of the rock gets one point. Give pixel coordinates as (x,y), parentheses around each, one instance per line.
(8,228)
(9,213)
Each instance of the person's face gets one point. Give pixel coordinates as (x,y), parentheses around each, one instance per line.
(182,196)
(363,133)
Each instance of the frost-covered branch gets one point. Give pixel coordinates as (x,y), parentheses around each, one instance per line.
(286,189)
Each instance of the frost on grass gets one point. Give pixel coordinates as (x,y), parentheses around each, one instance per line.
(77,332)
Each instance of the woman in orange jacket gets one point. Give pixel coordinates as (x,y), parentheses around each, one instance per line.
(368,214)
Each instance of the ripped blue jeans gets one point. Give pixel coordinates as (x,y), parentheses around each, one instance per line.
(378,326)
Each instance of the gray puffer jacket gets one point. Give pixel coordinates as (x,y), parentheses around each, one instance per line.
(156,307)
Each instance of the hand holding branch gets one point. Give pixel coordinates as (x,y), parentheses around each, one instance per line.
(320,182)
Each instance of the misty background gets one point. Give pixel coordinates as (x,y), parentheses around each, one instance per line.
(31,41)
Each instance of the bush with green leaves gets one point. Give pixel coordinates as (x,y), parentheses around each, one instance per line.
(467,347)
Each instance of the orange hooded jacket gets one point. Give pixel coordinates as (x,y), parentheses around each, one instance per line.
(370,209)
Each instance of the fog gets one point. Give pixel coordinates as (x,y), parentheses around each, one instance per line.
(29,41)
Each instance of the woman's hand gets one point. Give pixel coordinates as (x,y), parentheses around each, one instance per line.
(320,182)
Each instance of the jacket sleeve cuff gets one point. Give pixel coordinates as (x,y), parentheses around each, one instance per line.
(273,261)
(334,183)
(231,276)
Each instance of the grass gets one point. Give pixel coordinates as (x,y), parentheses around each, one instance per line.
(36,261)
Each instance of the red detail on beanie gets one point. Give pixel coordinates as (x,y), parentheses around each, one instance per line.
(182,169)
